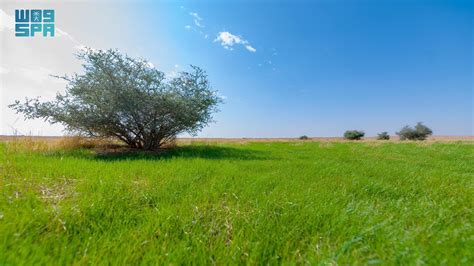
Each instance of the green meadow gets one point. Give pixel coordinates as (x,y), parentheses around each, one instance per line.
(296,202)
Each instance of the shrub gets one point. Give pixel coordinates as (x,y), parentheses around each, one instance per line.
(128,99)
(419,132)
(383,136)
(353,134)
(304,137)
(27,144)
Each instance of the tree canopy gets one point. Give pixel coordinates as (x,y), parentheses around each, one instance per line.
(419,132)
(128,99)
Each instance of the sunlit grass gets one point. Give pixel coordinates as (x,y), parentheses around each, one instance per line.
(257,203)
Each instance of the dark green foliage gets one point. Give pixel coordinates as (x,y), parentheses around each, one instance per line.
(354,134)
(419,132)
(304,137)
(383,136)
(126,98)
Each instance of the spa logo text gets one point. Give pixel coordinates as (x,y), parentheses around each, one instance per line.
(34,22)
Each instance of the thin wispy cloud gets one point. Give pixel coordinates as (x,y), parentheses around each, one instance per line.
(228,40)
(4,70)
(61,33)
(6,21)
(198,25)
(39,74)
(197,19)
(250,48)
(173,73)
(274,53)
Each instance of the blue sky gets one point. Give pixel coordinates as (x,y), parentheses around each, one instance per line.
(316,68)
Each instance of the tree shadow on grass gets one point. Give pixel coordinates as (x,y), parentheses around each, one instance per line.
(188,152)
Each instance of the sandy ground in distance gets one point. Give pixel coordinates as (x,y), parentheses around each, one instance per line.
(324,139)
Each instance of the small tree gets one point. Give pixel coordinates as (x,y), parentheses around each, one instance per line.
(126,98)
(304,137)
(354,134)
(383,136)
(419,132)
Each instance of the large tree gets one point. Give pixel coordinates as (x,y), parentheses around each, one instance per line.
(127,98)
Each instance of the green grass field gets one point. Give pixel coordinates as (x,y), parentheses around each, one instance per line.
(248,203)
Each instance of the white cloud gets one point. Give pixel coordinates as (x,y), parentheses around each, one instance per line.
(4,70)
(39,74)
(80,47)
(6,21)
(250,48)
(61,33)
(195,15)
(228,40)
(197,19)
(174,72)
(198,25)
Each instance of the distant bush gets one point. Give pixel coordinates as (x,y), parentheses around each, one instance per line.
(353,134)
(383,136)
(304,137)
(420,132)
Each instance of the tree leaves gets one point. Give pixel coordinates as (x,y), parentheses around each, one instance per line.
(123,97)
